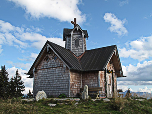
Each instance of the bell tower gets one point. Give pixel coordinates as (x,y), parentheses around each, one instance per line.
(75,39)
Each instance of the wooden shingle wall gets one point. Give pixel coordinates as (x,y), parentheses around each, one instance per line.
(77,34)
(68,43)
(102,80)
(90,79)
(75,83)
(51,76)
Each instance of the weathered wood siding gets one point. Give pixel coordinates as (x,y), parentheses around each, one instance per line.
(102,80)
(90,79)
(68,43)
(75,83)
(51,76)
(85,46)
(77,50)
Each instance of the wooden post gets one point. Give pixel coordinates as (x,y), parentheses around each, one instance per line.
(113,84)
(69,84)
(105,81)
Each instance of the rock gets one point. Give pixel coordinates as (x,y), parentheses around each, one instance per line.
(106,100)
(77,100)
(140,99)
(76,103)
(28,100)
(40,95)
(52,105)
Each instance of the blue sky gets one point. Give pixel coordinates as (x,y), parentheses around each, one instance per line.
(25,25)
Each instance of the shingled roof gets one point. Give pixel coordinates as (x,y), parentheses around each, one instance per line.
(96,59)
(91,60)
(67,56)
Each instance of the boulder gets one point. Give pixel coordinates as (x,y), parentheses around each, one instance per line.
(40,95)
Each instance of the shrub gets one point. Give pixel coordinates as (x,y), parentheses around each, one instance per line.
(62,95)
(118,103)
(51,96)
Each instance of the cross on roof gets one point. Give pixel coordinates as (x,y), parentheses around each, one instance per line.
(74,23)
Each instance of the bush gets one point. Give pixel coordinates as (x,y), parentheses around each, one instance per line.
(51,96)
(118,103)
(62,95)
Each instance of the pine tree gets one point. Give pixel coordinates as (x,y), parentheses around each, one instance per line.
(30,95)
(12,88)
(19,85)
(4,84)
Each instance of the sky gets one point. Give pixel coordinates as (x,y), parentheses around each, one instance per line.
(25,26)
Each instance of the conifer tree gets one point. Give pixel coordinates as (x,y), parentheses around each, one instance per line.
(4,84)
(30,95)
(19,85)
(12,88)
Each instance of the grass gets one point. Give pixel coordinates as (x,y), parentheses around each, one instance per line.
(115,106)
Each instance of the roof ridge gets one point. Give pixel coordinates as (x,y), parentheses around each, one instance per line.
(55,44)
(101,48)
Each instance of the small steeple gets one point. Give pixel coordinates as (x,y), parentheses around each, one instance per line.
(75,39)
(74,23)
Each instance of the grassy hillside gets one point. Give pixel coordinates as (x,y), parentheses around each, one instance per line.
(115,106)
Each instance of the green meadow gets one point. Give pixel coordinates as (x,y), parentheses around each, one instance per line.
(114,106)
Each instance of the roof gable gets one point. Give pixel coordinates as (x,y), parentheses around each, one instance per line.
(65,55)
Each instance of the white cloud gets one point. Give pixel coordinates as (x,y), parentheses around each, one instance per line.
(136,83)
(140,72)
(23,38)
(124,88)
(5,26)
(117,25)
(1,49)
(63,10)
(7,37)
(140,49)
(145,89)
(25,66)
(123,2)
(39,44)
(28,82)
(39,40)
(30,58)
(34,55)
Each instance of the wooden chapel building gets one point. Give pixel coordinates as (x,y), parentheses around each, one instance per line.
(59,70)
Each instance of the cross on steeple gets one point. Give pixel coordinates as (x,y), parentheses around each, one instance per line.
(74,23)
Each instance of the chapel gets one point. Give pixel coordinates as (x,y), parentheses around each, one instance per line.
(58,69)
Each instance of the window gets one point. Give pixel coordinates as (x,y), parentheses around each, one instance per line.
(76,43)
(54,57)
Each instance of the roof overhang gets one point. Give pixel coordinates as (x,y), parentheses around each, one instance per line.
(116,62)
